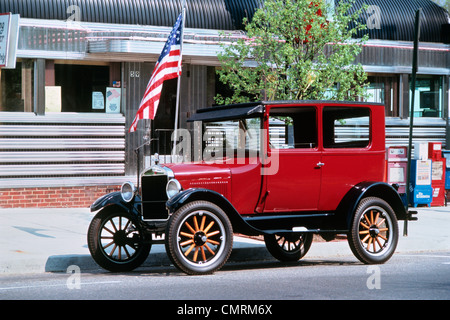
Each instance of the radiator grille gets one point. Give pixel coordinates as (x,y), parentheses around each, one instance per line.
(154,197)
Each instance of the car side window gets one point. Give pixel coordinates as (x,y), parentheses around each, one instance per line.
(345,127)
(293,128)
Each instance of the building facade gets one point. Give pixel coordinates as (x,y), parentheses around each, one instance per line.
(82,67)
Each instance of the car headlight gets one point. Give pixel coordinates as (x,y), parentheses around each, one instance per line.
(127,191)
(172,188)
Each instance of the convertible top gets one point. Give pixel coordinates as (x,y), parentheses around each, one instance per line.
(256,109)
(229,112)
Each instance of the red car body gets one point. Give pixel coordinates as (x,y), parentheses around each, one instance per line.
(283,169)
(300,183)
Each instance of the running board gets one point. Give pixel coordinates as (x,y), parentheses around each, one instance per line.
(291,223)
(302,230)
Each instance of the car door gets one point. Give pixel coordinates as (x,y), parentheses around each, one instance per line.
(293,135)
(348,154)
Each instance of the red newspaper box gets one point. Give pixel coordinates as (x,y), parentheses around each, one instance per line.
(437,173)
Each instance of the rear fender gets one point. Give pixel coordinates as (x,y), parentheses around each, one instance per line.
(362,190)
(187,196)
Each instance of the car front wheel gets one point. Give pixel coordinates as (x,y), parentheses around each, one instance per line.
(116,241)
(199,238)
(373,236)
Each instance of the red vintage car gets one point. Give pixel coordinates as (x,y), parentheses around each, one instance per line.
(286,170)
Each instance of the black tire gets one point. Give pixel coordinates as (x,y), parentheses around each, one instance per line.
(199,238)
(373,235)
(116,241)
(289,247)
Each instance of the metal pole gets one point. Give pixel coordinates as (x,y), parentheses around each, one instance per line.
(411,113)
(177,106)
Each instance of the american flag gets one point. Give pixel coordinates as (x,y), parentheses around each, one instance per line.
(167,67)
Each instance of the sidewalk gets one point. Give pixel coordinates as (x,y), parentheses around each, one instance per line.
(50,240)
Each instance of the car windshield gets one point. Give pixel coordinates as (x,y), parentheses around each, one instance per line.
(232,138)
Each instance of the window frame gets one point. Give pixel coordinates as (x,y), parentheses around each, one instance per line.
(294,113)
(355,143)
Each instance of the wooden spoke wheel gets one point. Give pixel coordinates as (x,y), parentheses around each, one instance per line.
(289,247)
(199,238)
(374,234)
(116,241)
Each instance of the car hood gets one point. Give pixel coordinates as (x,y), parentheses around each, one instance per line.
(199,170)
(216,177)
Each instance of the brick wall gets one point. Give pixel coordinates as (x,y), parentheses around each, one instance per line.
(53,197)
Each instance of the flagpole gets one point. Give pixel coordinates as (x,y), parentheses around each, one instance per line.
(177,106)
(411,112)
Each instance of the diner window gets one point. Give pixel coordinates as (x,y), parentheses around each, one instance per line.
(84,88)
(16,87)
(385,90)
(428,96)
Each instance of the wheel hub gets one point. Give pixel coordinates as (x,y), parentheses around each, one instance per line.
(374,231)
(120,238)
(200,238)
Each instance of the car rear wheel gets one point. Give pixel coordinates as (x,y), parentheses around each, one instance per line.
(373,236)
(199,238)
(117,241)
(289,247)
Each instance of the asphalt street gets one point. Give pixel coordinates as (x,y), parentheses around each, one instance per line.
(406,276)
(51,240)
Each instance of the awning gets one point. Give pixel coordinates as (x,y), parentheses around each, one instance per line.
(222,113)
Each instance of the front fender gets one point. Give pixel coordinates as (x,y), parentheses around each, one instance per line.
(115,199)
(189,195)
(194,194)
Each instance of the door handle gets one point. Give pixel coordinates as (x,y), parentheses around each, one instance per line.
(320,164)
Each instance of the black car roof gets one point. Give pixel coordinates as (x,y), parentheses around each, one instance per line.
(229,112)
(256,109)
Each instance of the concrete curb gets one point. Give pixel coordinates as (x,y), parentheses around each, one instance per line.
(158,259)
(60,263)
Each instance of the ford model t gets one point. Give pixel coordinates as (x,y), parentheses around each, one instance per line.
(285,170)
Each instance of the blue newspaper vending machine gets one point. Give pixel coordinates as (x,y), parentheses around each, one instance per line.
(422,192)
(446,155)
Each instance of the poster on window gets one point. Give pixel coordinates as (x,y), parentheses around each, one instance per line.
(52,99)
(113,100)
(98,101)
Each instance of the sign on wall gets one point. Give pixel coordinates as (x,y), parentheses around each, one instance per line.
(9,35)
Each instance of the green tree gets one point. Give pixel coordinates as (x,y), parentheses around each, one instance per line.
(295,49)
(444,4)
